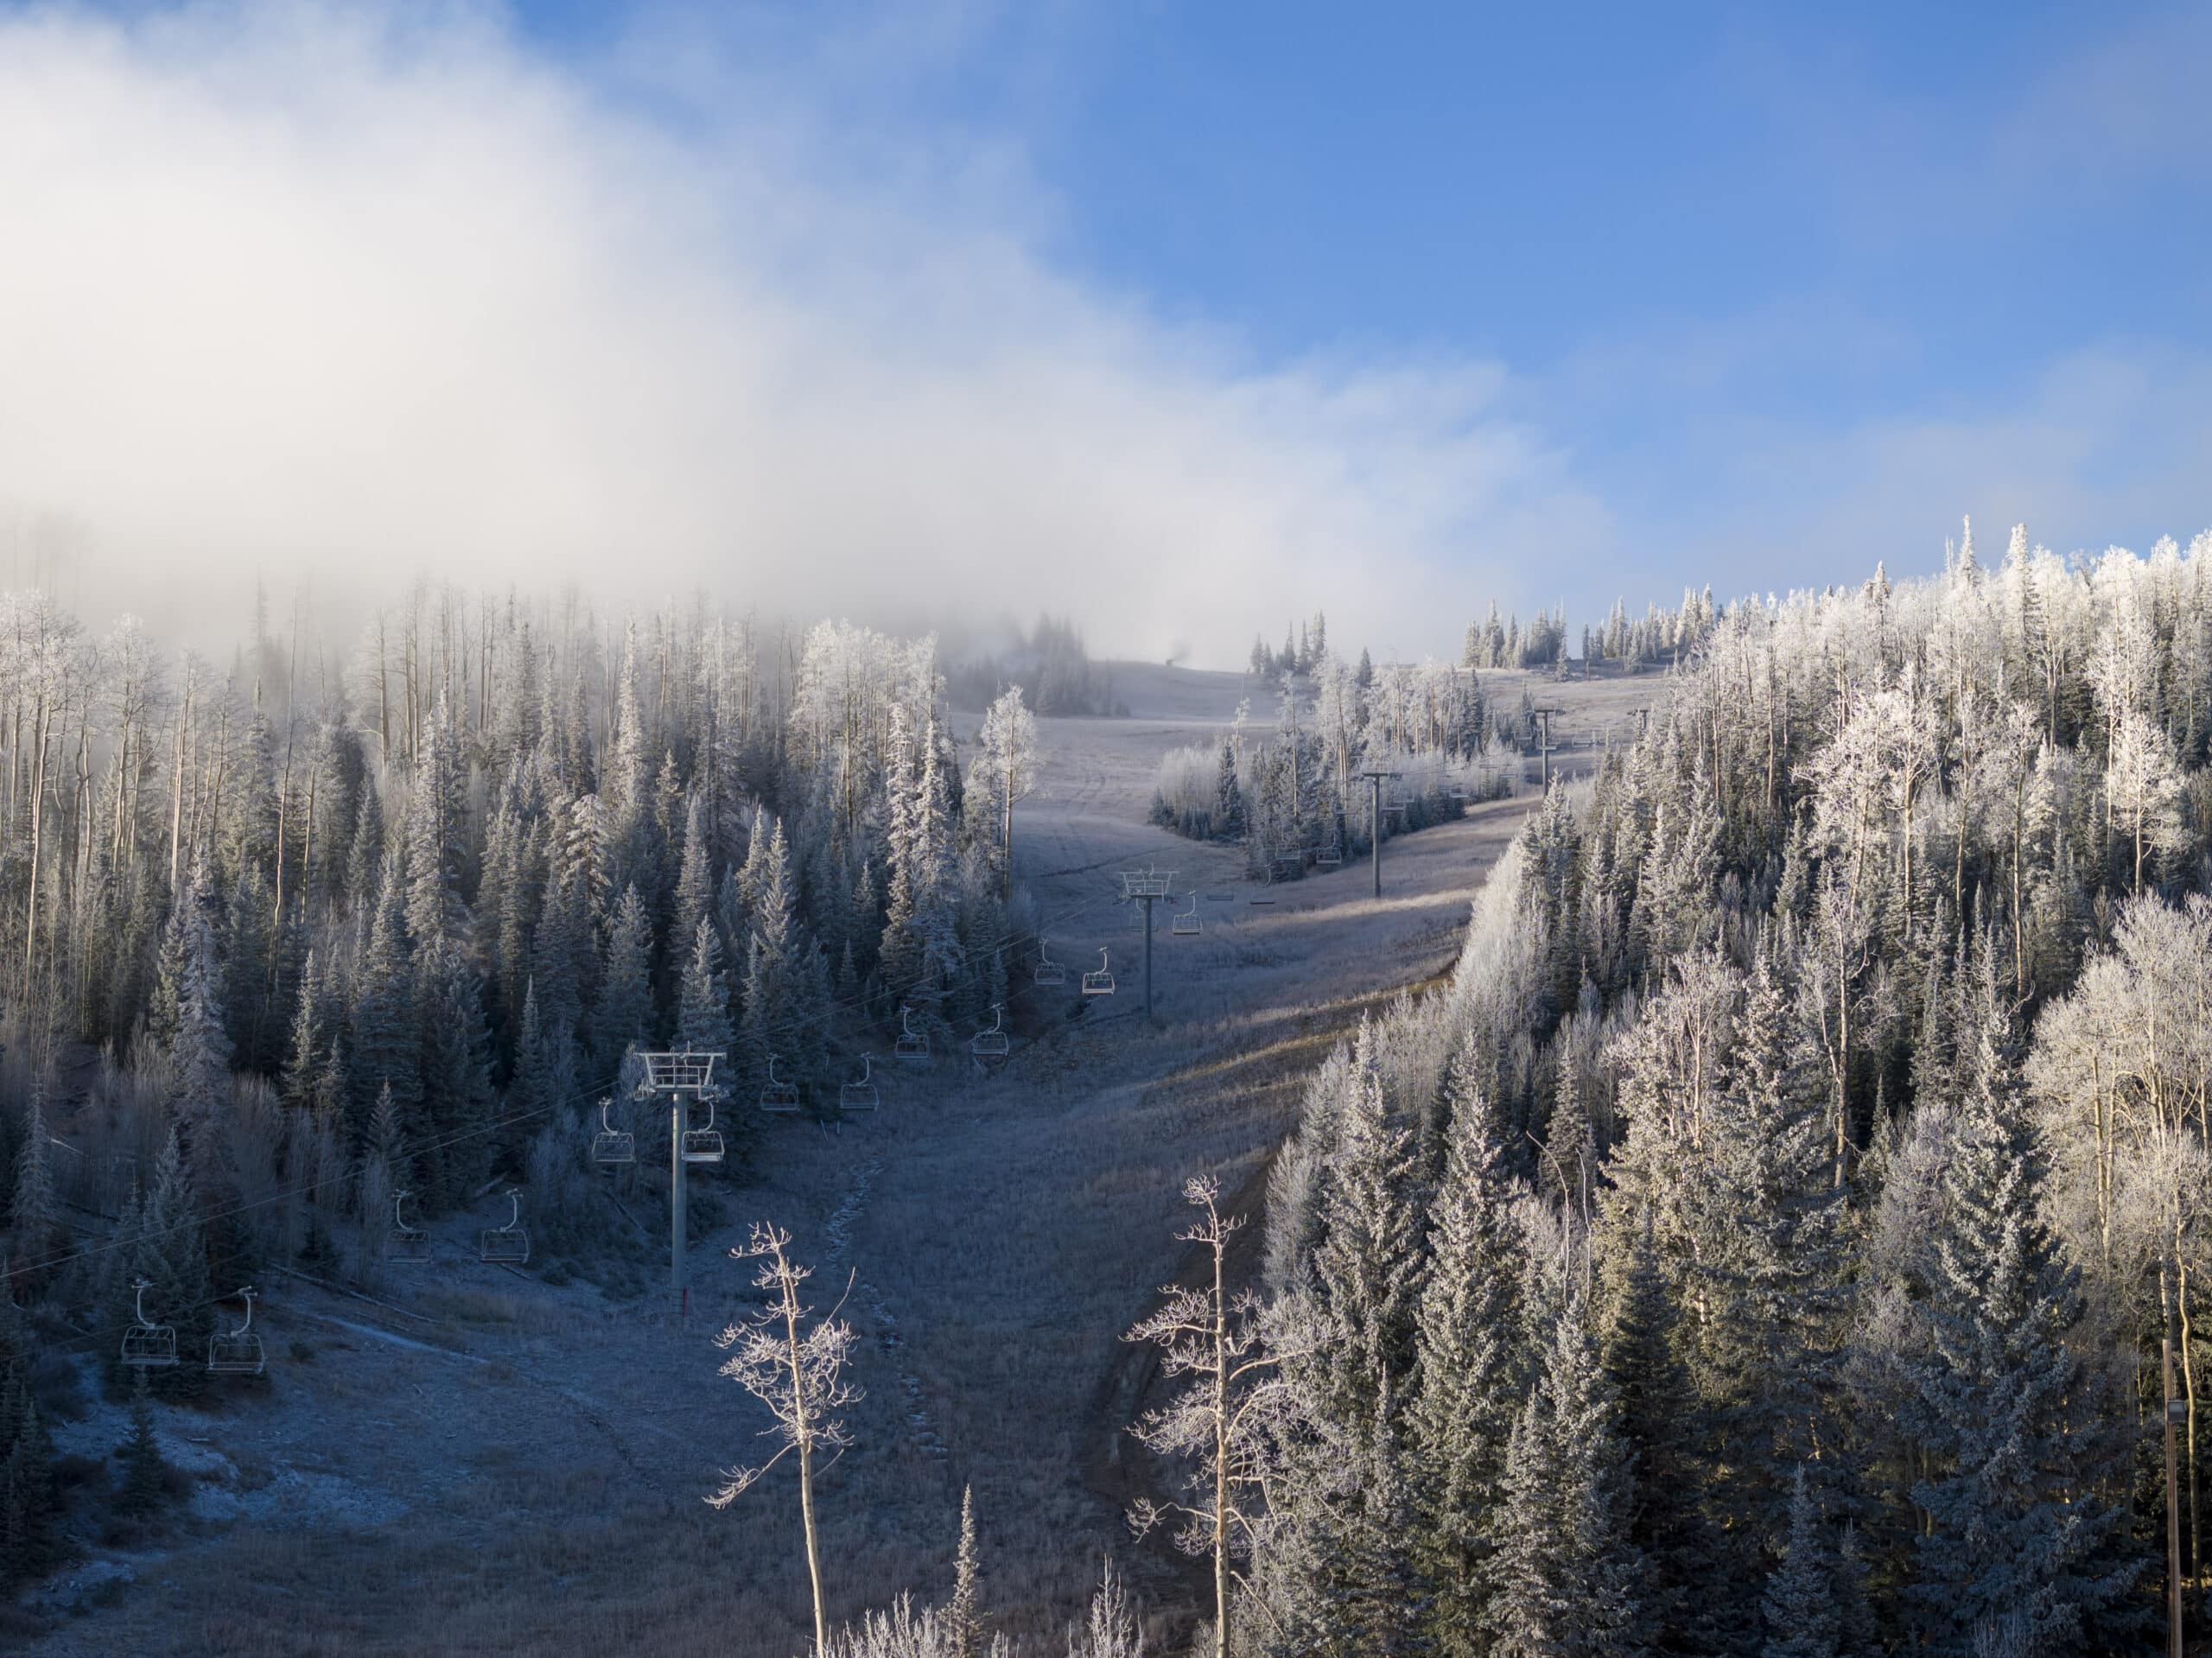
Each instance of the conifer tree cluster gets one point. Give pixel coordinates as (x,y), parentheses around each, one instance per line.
(343,926)
(1754,1247)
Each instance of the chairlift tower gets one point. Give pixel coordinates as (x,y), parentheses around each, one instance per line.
(1375,781)
(1544,744)
(1147,887)
(681,1078)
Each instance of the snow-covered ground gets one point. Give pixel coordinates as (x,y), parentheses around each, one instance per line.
(506,1467)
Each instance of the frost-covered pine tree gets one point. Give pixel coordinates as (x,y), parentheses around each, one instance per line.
(1228,795)
(140,1455)
(624,1015)
(921,945)
(2022,1468)
(784,989)
(1367,1269)
(305,1051)
(387,1046)
(200,1053)
(1352,1559)
(33,1218)
(456,1102)
(1568,1577)
(1771,1279)
(702,1001)
(1470,1372)
(168,1250)
(1799,1606)
(437,811)
(694,892)
(1691,1592)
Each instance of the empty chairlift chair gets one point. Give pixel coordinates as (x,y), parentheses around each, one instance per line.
(237,1352)
(410,1244)
(1100,982)
(1187,922)
(991,1044)
(1049,972)
(508,1245)
(912,1044)
(777,1098)
(1329,856)
(705,1145)
(611,1144)
(147,1345)
(860,1095)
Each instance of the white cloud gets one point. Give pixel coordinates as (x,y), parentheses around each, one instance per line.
(350,292)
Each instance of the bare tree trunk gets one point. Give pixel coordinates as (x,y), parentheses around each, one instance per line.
(176,796)
(804,1433)
(38,800)
(384,701)
(2188,1393)
(1220,1455)
(1006,837)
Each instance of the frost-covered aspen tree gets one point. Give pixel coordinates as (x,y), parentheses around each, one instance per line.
(1221,1345)
(1005,770)
(2144,788)
(793,1362)
(1110,1631)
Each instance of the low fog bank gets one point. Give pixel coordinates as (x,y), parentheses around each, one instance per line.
(336,295)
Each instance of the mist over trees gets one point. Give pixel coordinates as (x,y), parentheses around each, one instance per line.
(1049,666)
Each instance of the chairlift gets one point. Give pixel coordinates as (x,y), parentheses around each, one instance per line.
(991,1044)
(861,1096)
(1187,922)
(237,1352)
(912,1044)
(507,1245)
(612,1145)
(1329,857)
(147,1345)
(1101,982)
(404,1242)
(705,1145)
(777,1098)
(1049,972)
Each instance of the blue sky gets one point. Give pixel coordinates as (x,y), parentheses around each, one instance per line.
(1194,308)
(1707,243)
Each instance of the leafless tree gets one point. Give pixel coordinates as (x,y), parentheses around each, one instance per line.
(793,1362)
(1232,1355)
(1111,1630)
